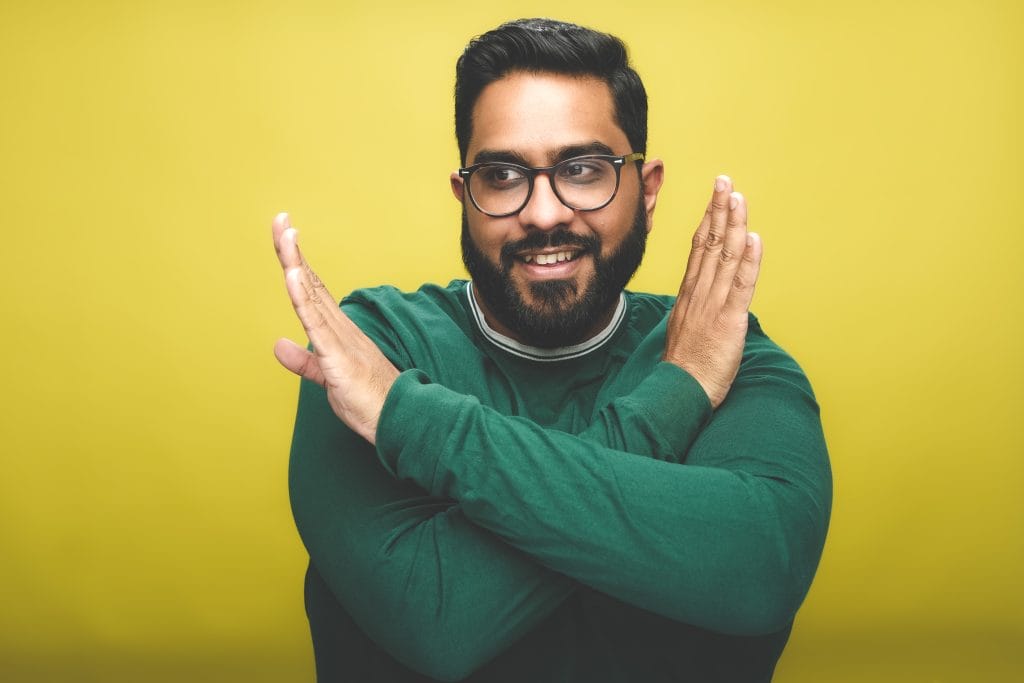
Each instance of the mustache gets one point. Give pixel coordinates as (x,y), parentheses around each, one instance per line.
(560,237)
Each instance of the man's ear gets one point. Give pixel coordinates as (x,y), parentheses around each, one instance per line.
(458,186)
(652,176)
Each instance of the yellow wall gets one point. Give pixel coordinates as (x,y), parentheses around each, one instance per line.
(144,148)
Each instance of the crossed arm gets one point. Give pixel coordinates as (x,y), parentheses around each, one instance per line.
(408,565)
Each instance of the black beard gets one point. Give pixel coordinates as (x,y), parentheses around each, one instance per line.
(562,316)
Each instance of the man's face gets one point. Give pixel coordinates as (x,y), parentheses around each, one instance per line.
(539,120)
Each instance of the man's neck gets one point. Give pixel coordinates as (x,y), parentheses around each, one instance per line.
(503,336)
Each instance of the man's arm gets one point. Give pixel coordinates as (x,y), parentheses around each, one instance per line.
(728,541)
(659,418)
(439,593)
(706,334)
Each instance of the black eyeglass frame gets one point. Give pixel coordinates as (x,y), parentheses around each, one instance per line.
(531,173)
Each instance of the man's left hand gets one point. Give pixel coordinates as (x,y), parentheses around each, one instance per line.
(355,373)
(707,328)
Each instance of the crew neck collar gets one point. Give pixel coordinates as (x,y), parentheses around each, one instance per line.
(536,353)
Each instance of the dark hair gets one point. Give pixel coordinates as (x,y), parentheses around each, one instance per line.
(546,45)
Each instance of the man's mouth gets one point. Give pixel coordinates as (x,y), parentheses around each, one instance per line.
(550,250)
(550,258)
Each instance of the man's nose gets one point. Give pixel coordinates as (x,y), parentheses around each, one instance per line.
(544,211)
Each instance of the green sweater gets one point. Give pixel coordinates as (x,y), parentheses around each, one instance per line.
(581,517)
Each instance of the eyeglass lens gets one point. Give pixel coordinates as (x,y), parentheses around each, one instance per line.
(583,183)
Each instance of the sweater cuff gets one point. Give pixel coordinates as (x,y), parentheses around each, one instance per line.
(674,403)
(414,414)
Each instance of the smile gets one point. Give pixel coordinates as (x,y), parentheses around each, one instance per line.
(549,259)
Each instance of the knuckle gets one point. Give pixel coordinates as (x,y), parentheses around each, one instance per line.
(698,240)
(714,240)
(309,367)
(720,203)
(727,255)
(719,327)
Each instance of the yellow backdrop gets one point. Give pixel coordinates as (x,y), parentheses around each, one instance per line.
(144,148)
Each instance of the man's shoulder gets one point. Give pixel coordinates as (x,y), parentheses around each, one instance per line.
(397,320)
(760,353)
(649,304)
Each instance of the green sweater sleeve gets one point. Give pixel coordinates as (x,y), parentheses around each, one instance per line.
(434,589)
(659,418)
(439,593)
(728,541)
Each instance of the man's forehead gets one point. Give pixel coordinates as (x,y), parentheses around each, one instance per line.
(536,116)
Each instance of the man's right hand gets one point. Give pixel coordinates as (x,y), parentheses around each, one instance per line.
(353,370)
(708,324)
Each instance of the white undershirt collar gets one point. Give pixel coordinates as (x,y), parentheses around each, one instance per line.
(546,355)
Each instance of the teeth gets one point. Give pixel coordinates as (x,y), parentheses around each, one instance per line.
(548,259)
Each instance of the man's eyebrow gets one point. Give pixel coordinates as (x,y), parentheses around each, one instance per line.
(561,154)
(570,151)
(499,155)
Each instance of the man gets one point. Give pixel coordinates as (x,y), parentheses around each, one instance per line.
(535,475)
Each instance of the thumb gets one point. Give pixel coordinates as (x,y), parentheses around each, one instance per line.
(298,360)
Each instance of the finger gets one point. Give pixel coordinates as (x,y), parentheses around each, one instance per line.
(719,213)
(741,293)
(291,257)
(720,202)
(288,248)
(694,258)
(312,301)
(280,223)
(317,289)
(298,360)
(734,243)
(317,319)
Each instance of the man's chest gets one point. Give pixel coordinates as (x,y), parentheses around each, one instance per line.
(563,395)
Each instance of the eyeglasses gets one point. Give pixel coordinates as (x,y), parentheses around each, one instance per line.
(585,183)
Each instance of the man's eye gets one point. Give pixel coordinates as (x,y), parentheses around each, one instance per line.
(501,176)
(582,171)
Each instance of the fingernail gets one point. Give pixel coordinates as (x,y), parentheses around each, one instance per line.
(719,184)
(734,200)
